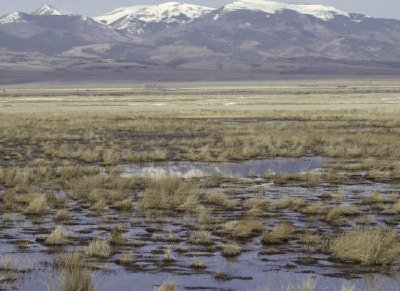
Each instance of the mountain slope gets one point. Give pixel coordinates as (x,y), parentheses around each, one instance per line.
(246,39)
(51,31)
(50,10)
(142,19)
(250,31)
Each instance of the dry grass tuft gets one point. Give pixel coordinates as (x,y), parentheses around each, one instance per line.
(340,211)
(231,250)
(280,234)
(57,236)
(308,285)
(62,215)
(38,205)
(367,246)
(127,257)
(98,248)
(244,229)
(374,198)
(198,264)
(168,193)
(73,276)
(201,238)
(168,285)
(169,255)
(116,237)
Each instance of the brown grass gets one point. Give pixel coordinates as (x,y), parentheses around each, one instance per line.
(280,234)
(244,229)
(38,205)
(367,246)
(98,248)
(57,236)
(169,193)
(231,250)
(168,285)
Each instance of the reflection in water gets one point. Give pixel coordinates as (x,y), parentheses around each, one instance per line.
(252,168)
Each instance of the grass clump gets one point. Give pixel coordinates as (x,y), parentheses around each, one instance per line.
(73,276)
(367,246)
(116,237)
(309,284)
(339,212)
(222,200)
(57,236)
(244,229)
(198,264)
(168,193)
(63,215)
(201,238)
(231,250)
(280,234)
(374,198)
(126,258)
(168,285)
(37,205)
(169,255)
(98,248)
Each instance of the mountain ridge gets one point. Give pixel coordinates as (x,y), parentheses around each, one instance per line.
(243,38)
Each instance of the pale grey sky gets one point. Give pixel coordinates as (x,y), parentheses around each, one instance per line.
(375,8)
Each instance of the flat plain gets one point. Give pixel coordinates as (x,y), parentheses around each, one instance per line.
(290,185)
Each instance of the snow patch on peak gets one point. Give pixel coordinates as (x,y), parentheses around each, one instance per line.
(271,7)
(167,12)
(14,17)
(49,10)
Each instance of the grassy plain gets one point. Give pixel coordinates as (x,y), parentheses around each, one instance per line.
(62,149)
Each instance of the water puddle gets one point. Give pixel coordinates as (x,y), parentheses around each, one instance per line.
(251,168)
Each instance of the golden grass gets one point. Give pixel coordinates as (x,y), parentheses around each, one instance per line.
(38,205)
(77,280)
(198,264)
(72,275)
(98,248)
(309,284)
(314,208)
(169,255)
(367,246)
(374,198)
(244,229)
(57,236)
(168,193)
(201,238)
(62,215)
(341,211)
(281,233)
(231,250)
(126,257)
(168,285)
(223,200)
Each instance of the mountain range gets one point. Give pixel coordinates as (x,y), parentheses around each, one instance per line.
(246,39)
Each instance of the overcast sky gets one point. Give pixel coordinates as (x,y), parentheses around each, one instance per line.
(375,8)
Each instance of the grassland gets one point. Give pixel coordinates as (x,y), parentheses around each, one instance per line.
(63,190)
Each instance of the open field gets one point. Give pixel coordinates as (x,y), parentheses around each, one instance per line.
(251,186)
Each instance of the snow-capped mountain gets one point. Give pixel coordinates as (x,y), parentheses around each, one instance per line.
(140,19)
(13,17)
(253,31)
(246,38)
(50,30)
(50,10)
(272,7)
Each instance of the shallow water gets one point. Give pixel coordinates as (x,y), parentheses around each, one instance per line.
(259,266)
(251,168)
